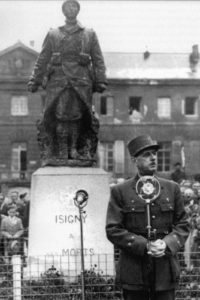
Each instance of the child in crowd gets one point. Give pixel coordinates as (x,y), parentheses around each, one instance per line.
(195,249)
(12,232)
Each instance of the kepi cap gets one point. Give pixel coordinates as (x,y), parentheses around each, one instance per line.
(140,143)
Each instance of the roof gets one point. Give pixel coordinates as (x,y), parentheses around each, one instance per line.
(156,66)
(134,66)
(18,45)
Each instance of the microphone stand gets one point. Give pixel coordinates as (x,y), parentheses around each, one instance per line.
(151,235)
(148,223)
(148,189)
(80,201)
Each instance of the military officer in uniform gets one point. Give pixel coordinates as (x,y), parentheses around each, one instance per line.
(154,272)
(71,58)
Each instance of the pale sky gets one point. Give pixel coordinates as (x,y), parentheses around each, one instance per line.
(122,26)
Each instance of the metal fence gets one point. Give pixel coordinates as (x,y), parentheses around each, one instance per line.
(57,277)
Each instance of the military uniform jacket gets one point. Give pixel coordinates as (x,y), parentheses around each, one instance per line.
(70,54)
(126,229)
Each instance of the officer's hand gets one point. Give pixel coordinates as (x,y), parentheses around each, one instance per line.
(100,87)
(32,87)
(157,248)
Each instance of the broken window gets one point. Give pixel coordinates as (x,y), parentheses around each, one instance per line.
(134,104)
(190,106)
(106,105)
(19,160)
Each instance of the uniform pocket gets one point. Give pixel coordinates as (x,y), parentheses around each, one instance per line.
(165,206)
(137,207)
(135,217)
(56,58)
(167,211)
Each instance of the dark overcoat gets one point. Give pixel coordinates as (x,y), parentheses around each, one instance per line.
(126,229)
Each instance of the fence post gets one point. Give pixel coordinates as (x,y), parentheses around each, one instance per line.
(16,263)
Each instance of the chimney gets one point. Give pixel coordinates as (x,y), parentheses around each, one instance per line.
(194,58)
(146,54)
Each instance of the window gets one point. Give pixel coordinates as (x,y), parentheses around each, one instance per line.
(106,105)
(119,157)
(19,160)
(19,106)
(103,106)
(164,157)
(190,106)
(111,156)
(106,156)
(134,104)
(164,107)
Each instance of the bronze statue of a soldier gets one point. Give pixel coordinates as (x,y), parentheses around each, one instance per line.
(71,68)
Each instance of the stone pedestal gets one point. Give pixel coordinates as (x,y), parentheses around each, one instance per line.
(54,230)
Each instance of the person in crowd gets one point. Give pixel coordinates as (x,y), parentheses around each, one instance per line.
(25,220)
(25,202)
(147,269)
(178,174)
(2,198)
(12,232)
(189,198)
(195,248)
(190,208)
(12,201)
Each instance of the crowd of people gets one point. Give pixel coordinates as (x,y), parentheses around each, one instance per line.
(14,216)
(191,194)
(190,190)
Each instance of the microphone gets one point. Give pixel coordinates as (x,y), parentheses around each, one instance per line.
(81,198)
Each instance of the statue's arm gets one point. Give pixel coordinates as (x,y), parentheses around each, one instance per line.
(41,65)
(99,68)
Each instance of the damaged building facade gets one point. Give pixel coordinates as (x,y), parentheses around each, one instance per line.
(148,93)
(156,94)
(19,156)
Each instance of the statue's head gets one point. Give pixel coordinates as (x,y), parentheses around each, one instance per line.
(70,8)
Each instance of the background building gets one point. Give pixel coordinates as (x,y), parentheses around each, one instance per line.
(19,112)
(156,94)
(148,93)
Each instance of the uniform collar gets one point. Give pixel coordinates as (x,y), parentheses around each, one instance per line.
(134,181)
(76,27)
